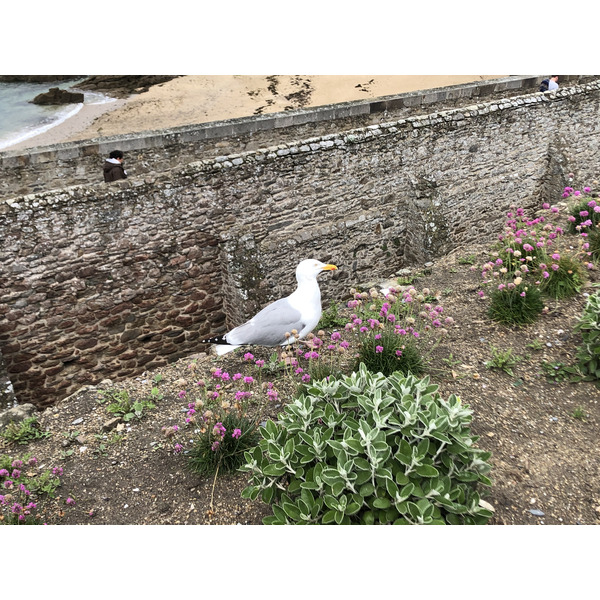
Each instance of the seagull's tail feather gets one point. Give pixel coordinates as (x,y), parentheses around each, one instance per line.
(222,347)
(216,339)
(220,350)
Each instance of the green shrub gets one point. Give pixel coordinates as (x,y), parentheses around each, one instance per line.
(511,307)
(124,406)
(24,432)
(389,354)
(370,449)
(588,355)
(566,281)
(331,317)
(594,248)
(220,447)
(504,360)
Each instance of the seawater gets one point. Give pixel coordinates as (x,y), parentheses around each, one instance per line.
(21,120)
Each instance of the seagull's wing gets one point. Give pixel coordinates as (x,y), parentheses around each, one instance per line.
(269,326)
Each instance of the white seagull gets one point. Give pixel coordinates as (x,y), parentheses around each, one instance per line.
(284,321)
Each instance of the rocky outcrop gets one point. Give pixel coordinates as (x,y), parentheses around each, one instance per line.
(58,96)
(36,78)
(17,414)
(123,85)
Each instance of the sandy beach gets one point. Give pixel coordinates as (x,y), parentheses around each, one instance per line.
(194,99)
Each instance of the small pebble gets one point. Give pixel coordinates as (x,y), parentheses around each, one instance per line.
(77,421)
(536,512)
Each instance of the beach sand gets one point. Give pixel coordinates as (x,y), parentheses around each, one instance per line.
(194,99)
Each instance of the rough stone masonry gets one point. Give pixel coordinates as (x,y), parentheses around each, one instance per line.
(104,281)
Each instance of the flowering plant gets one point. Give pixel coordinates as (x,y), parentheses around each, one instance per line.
(390,327)
(21,491)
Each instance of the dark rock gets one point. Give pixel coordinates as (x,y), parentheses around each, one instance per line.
(123,85)
(36,78)
(111,424)
(58,96)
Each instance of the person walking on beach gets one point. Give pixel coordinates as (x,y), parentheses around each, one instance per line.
(113,167)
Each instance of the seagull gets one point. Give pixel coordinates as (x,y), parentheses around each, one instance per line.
(284,321)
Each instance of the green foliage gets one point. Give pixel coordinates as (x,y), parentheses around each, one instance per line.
(594,249)
(558,371)
(509,307)
(24,432)
(227,454)
(579,413)
(122,405)
(467,260)
(331,318)
(504,360)
(389,354)
(22,489)
(565,282)
(370,449)
(588,355)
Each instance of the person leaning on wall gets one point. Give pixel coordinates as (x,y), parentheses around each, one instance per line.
(549,84)
(113,167)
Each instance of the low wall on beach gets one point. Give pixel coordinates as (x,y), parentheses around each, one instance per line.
(109,280)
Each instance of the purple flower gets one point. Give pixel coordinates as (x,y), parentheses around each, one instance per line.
(182,394)
(70,501)
(378,349)
(236,433)
(16,474)
(17,464)
(248,356)
(3,473)
(335,336)
(177,448)
(259,363)
(248,380)
(8,484)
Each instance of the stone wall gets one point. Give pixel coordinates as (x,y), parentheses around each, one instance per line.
(55,167)
(108,280)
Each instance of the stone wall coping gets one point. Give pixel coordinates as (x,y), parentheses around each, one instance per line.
(245,125)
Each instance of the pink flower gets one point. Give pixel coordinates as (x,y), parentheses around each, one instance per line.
(70,501)
(236,433)
(182,394)
(378,349)
(248,356)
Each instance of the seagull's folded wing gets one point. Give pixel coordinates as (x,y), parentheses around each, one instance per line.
(269,326)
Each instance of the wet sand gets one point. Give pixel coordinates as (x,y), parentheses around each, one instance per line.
(194,99)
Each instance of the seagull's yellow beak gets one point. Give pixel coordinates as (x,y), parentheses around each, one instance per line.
(329,268)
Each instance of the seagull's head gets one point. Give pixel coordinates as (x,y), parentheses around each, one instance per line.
(310,268)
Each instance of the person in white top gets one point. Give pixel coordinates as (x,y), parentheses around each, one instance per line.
(553,83)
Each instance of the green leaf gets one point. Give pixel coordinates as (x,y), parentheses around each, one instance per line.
(279,513)
(366,490)
(274,470)
(382,503)
(291,511)
(328,517)
(426,471)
